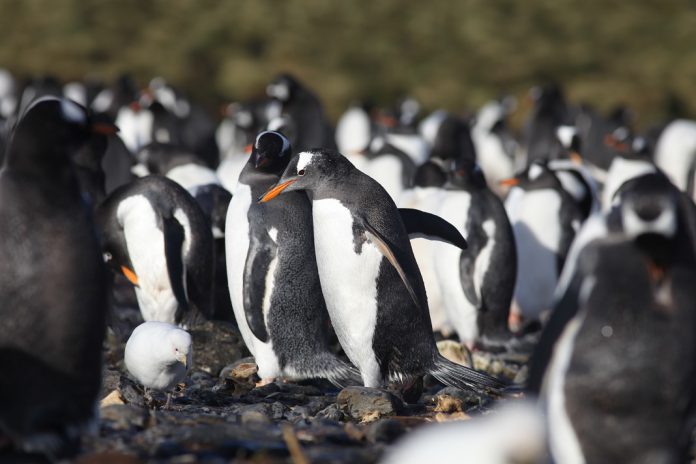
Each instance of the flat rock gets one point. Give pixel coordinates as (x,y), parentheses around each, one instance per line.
(368,404)
(123,417)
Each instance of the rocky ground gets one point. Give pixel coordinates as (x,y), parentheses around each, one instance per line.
(218,415)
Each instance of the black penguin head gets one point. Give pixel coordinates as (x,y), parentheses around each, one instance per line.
(310,170)
(453,140)
(282,88)
(466,173)
(271,152)
(536,177)
(432,173)
(51,130)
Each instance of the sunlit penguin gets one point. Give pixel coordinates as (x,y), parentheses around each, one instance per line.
(272,273)
(675,154)
(156,235)
(380,313)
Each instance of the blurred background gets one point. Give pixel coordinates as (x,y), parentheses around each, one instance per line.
(454,55)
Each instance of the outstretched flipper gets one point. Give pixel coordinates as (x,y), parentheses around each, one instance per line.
(420,224)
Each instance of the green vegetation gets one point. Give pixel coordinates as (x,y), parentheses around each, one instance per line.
(454,54)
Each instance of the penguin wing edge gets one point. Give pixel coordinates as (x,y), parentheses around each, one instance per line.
(376,238)
(173,243)
(420,224)
(256,268)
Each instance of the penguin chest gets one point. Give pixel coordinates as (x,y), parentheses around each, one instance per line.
(348,269)
(190,175)
(145,241)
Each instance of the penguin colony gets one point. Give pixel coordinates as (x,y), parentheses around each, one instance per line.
(574,243)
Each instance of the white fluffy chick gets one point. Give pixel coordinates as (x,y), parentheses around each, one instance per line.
(158,355)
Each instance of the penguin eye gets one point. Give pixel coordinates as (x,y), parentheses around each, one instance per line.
(107,257)
(301,172)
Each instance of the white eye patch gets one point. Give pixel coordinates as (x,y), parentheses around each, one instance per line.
(535,171)
(304,161)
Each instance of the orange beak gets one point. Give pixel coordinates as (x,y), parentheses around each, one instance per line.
(575,157)
(275,191)
(512,181)
(104,128)
(248,148)
(130,275)
(613,143)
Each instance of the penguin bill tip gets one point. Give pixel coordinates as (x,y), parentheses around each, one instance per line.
(511,182)
(275,191)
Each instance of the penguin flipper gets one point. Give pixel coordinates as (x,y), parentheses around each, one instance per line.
(173,243)
(376,238)
(257,265)
(420,224)
(467,265)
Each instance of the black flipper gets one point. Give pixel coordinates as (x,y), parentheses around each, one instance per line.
(375,237)
(420,224)
(467,266)
(173,251)
(259,257)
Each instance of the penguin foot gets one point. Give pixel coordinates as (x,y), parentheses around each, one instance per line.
(264,382)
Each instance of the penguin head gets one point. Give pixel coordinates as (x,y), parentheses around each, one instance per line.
(49,129)
(536,177)
(310,170)
(432,173)
(466,173)
(648,206)
(271,152)
(282,88)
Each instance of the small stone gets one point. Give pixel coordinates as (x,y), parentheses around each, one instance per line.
(457,416)
(331,412)
(368,404)
(123,417)
(482,361)
(112,398)
(452,400)
(455,352)
(522,376)
(385,431)
(255,414)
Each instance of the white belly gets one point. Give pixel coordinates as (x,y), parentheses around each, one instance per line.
(349,283)
(191,175)
(387,170)
(236,249)
(145,243)
(230,168)
(462,314)
(537,233)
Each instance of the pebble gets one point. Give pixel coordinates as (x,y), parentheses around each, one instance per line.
(368,404)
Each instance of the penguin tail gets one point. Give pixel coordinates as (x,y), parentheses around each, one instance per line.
(458,376)
(328,366)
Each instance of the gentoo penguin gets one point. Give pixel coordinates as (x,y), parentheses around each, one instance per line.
(53,285)
(158,355)
(550,111)
(214,201)
(544,219)
(354,131)
(392,168)
(495,146)
(305,109)
(513,433)
(623,335)
(380,313)
(155,234)
(477,283)
(178,164)
(675,154)
(272,273)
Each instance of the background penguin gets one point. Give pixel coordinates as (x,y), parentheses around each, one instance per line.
(477,283)
(380,313)
(623,333)
(544,219)
(391,167)
(550,111)
(156,235)
(53,285)
(178,164)
(675,154)
(272,271)
(305,110)
(214,201)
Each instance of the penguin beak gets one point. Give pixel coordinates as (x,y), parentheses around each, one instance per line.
(130,275)
(104,128)
(277,190)
(511,182)
(575,157)
(248,148)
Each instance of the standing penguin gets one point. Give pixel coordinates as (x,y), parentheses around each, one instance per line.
(155,234)
(53,285)
(544,219)
(477,283)
(622,334)
(272,272)
(373,288)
